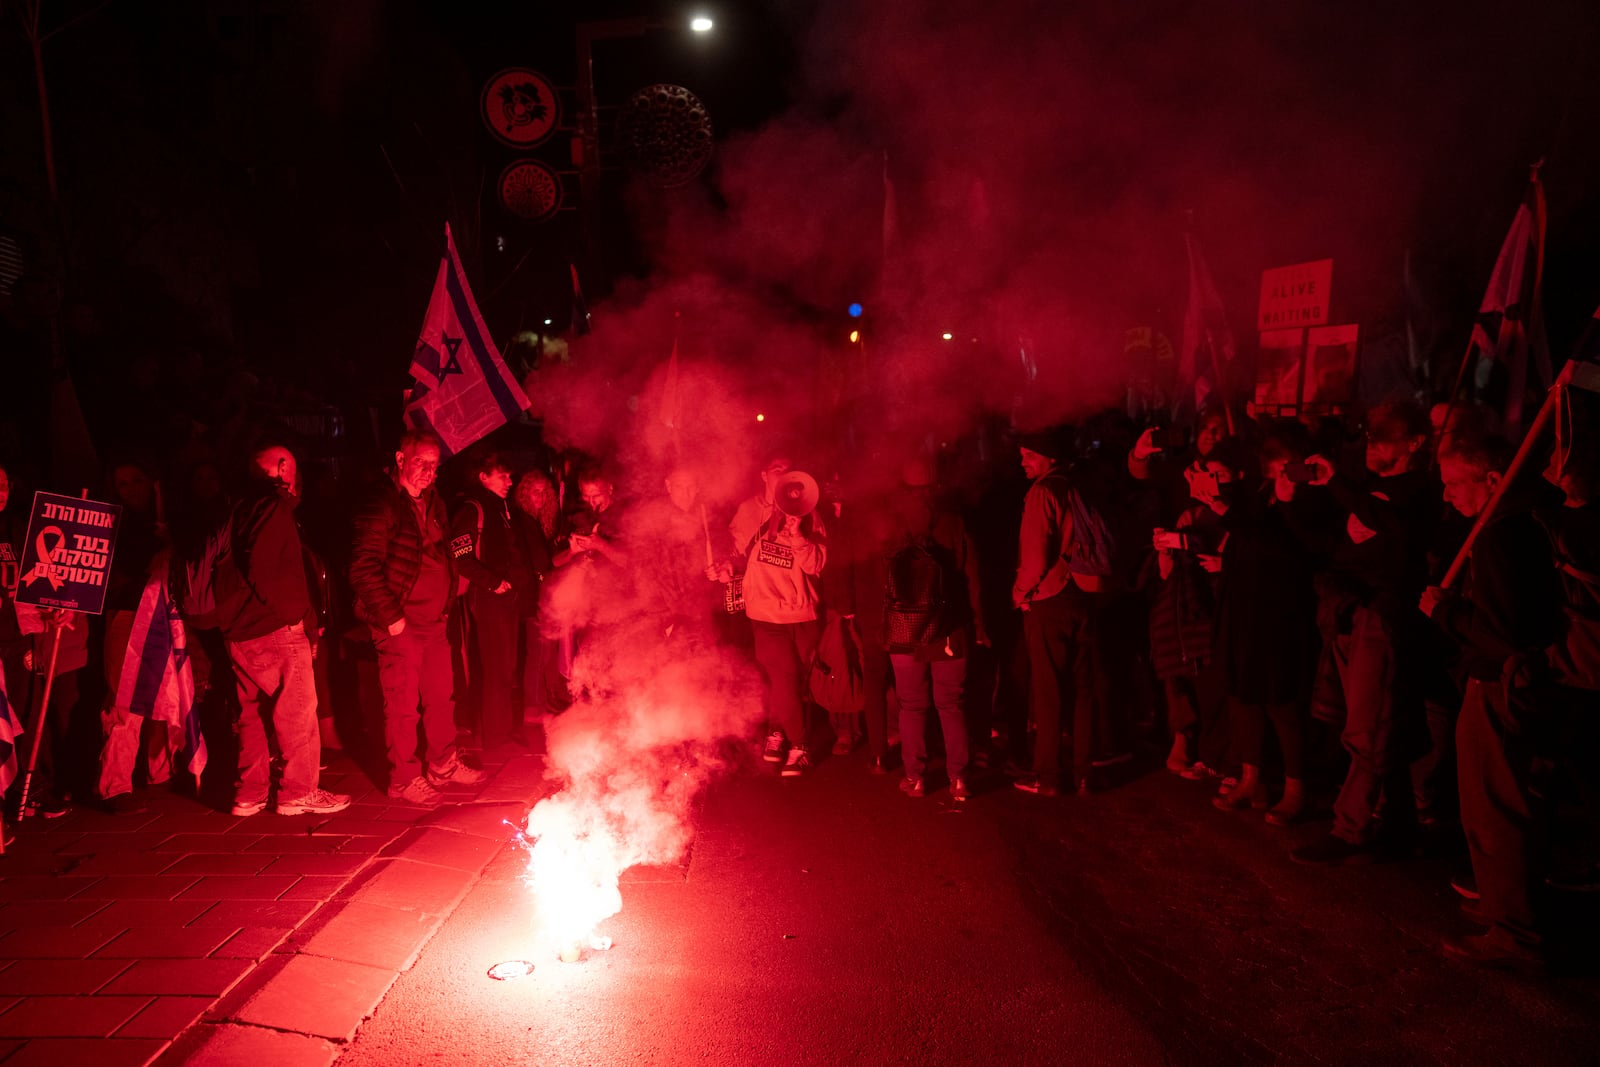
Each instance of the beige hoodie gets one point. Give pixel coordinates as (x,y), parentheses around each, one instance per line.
(781,567)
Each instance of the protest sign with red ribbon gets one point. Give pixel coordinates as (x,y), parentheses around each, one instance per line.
(66,560)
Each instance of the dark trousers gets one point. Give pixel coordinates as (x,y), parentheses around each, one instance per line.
(1248,724)
(1059,632)
(875,695)
(1495,750)
(1198,709)
(414,671)
(1378,709)
(491,656)
(784,651)
(1433,777)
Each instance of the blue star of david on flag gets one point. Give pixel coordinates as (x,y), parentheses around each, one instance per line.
(463,390)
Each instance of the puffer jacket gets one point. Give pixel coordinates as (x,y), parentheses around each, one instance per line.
(386,557)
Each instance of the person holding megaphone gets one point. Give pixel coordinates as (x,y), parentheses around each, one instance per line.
(782,548)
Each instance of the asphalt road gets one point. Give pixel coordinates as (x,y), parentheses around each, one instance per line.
(831,920)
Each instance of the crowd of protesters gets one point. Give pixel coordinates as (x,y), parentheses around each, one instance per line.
(1259,604)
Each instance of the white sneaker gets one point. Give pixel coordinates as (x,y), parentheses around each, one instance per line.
(799,762)
(316,802)
(773,752)
(243,809)
(454,772)
(418,792)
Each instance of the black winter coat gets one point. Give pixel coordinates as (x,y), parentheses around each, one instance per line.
(386,557)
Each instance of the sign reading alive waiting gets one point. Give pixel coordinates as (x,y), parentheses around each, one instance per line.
(66,560)
(1296,295)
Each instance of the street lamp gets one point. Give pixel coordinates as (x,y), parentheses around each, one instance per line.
(587,148)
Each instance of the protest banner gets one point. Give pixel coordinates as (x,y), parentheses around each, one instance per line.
(66,566)
(66,559)
(1295,296)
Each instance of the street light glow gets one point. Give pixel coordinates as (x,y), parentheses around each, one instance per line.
(701,24)
(947,336)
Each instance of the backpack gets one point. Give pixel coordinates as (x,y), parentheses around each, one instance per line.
(210,588)
(1575,658)
(1094,547)
(915,595)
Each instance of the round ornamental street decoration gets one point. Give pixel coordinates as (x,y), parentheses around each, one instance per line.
(520,107)
(664,134)
(530,190)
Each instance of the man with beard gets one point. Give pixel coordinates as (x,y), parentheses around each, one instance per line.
(402,578)
(268,647)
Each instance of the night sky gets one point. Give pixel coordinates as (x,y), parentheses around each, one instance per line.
(268,180)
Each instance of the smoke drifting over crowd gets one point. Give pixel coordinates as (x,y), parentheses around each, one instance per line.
(1006,189)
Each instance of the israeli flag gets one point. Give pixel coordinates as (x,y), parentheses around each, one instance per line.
(157,680)
(10,730)
(462,389)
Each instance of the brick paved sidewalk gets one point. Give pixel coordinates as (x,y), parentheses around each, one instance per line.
(266,938)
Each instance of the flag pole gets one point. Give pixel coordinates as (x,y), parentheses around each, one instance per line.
(1567,379)
(705,528)
(38,730)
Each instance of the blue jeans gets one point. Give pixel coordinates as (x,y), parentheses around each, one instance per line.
(940,685)
(276,684)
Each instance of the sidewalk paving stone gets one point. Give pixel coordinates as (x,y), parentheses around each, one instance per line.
(520,781)
(208,977)
(239,913)
(248,1046)
(84,1052)
(39,863)
(252,942)
(229,842)
(70,1016)
(350,827)
(164,1017)
(56,942)
(291,843)
(313,995)
(315,887)
(134,914)
(446,848)
(307,863)
(236,887)
(59,977)
(104,864)
(367,844)
(482,820)
(193,936)
(163,942)
(220,863)
(373,934)
(140,887)
(411,886)
(134,841)
(43,887)
(29,913)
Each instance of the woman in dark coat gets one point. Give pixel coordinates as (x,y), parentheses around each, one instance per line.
(1266,630)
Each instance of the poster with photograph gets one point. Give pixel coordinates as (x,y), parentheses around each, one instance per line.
(1277,388)
(1330,383)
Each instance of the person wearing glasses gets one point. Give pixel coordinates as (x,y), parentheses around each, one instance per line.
(403,579)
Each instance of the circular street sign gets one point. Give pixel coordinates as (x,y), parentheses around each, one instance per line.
(530,190)
(520,107)
(664,132)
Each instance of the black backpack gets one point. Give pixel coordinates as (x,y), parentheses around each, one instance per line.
(210,589)
(915,595)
